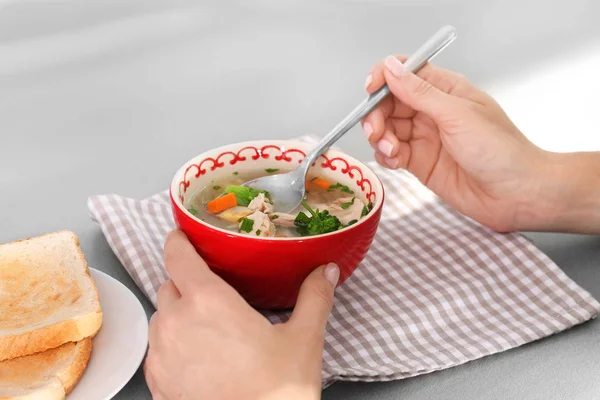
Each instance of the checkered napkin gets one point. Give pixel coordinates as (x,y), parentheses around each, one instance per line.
(436,289)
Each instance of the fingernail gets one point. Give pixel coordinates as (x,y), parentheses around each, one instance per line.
(392,162)
(385,147)
(368,130)
(332,274)
(368,81)
(395,66)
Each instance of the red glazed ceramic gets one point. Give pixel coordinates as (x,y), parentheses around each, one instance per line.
(268,272)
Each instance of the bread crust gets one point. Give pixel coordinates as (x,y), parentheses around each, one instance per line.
(50,337)
(54,335)
(73,375)
(49,375)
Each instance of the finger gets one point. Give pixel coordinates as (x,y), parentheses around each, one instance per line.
(167,295)
(151,381)
(404,156)
(150,364)
(396,131)
(385,162)
(389,143)
(443,79)
(393,107)
(315,301)
(159,396)
(400,160)
(417,92)
(386,106)
(374,125)
(402,128)
(153,330)
(375,78)
(185,267)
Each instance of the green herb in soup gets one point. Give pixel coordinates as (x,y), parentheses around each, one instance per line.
(318,223)
(366,209)
(348,204)
(327,207)
(246,225)
(341,187)
(244,194)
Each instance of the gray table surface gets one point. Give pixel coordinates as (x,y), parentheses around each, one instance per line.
(101,97)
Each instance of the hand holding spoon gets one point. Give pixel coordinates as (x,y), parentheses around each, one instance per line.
(287,190)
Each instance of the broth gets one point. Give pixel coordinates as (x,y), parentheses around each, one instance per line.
(227,205)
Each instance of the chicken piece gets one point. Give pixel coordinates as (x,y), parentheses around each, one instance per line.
(283,219)
(263,226)
(234,214)
(261,203)
(351,213)
(318,198)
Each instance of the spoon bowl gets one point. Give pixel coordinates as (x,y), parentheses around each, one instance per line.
(287,189)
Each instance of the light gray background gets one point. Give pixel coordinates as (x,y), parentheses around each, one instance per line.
(112,96)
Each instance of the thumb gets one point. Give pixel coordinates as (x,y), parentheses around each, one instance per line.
(415,91)
(316,299)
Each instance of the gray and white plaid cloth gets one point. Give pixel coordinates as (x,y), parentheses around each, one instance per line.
(436,289)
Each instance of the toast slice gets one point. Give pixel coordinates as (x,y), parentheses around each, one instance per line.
(49,375)
(47,297)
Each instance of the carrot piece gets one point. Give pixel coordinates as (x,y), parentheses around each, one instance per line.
(322,183)
(222,203)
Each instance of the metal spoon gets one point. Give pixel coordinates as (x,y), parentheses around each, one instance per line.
(287,190)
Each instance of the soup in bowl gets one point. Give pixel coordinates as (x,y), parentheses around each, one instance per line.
(263,253)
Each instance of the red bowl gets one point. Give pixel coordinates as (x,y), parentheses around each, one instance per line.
(268,272)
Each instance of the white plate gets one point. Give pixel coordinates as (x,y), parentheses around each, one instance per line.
(120,345)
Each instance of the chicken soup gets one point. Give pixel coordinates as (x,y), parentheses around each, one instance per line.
(327,207)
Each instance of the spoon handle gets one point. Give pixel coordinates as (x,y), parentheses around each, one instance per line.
(426,52)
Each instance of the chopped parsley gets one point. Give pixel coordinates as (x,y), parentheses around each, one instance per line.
(193,211)
(318,223)
(274,217)
(271,170)
(352,222)
(346,205)
(258,232)
(366,209)
(217,187)
(341,187)
(236,173)
(246,225)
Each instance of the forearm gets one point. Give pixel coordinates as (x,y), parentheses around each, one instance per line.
(567,195)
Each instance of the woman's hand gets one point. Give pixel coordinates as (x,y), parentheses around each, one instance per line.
(457,141)
(206,342)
